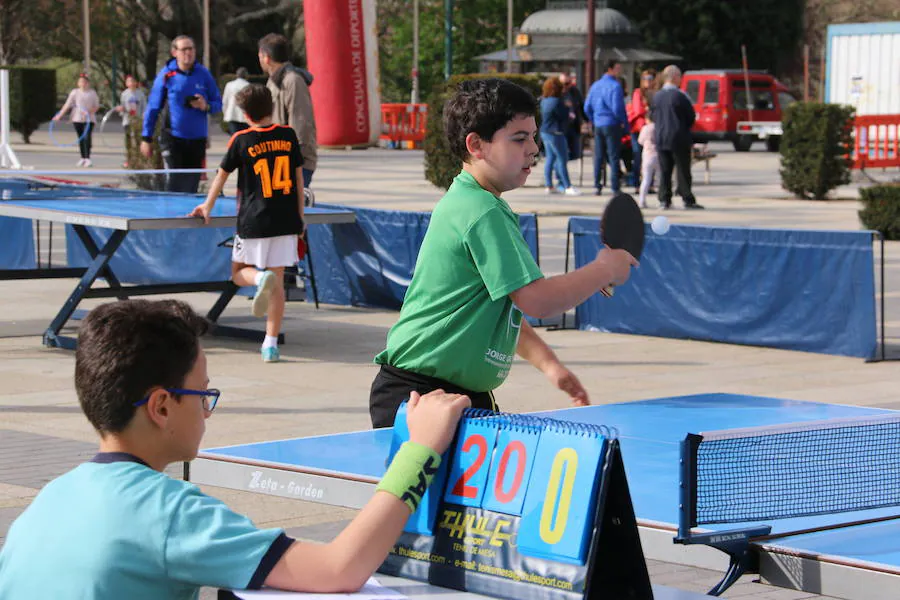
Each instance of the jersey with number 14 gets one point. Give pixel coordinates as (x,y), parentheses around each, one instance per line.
(267,159)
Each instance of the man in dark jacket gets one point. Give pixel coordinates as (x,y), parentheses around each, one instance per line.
(673,115)
(191,93)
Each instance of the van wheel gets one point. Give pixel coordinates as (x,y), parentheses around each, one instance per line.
(773,144)
(742,143)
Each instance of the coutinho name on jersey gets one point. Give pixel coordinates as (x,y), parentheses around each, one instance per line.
(269,146)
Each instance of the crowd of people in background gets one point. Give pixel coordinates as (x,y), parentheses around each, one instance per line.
(617,123)
(183,96)
(184,93)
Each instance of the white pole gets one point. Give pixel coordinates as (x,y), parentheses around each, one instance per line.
(414,99)
(8,158)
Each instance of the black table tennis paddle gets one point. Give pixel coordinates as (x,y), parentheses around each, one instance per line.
(622,228)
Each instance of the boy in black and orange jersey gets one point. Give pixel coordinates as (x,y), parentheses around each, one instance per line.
(270,207)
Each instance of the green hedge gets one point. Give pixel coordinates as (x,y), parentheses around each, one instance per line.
(815,148)
(881,209)
(441,166)
(32,98)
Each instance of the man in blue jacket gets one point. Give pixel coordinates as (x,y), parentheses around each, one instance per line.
(189,92)
(605,107)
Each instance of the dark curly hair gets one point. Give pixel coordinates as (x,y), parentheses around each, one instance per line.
(127,348)
(483,106)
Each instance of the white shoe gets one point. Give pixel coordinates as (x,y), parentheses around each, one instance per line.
(80,162)
(550,190)
(88,163)
(572,191)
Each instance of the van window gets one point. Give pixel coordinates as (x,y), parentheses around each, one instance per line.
(760,99)
(711,92)
(693,90)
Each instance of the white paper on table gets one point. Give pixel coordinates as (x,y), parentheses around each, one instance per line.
(372,590)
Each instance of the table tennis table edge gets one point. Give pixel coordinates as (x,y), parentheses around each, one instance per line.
(60,215)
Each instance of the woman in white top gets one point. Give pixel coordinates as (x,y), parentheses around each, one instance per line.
(84,104)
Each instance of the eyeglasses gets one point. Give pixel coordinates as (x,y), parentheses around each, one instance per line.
(185,49)
(648,77)
(210,397)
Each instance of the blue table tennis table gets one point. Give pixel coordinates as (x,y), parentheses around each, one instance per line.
(857,562)
(124,212)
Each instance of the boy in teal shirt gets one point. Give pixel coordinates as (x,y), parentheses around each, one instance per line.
(117,527)
(461,321)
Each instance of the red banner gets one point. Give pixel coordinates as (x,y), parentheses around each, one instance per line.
(336,56)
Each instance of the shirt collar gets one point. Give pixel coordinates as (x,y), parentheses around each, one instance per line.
(114,457)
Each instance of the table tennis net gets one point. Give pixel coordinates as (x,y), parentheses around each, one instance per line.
(807,469)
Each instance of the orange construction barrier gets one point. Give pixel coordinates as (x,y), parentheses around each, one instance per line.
(403,125)
(876,141)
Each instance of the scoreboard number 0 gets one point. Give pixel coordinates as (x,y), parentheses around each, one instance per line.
(558,498)
(518,447)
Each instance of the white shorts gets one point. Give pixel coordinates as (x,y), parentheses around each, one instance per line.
(265,253)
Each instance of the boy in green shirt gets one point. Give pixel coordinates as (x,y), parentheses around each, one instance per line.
(461,321)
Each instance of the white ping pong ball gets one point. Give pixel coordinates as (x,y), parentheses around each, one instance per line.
(660,225)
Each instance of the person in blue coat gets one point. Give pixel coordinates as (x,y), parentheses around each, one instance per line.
(605,107)
(184,92)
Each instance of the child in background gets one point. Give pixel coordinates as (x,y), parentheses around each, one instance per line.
(132,102)
(84,104)
(649,157)
(270,207)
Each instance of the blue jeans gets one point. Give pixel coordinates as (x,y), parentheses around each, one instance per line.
(307,177)
(607,143)
(557,150)
(637,151)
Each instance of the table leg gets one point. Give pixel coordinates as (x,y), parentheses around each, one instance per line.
(99,266)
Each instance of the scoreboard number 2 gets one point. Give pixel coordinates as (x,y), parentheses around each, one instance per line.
(460,488)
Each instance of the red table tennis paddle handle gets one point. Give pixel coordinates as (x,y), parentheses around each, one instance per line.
(301,247)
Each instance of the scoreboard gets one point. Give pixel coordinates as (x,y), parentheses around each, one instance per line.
(525,507)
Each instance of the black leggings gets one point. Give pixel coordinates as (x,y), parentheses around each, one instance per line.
(84,143)
(392,387)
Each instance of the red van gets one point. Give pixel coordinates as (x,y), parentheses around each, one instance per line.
(723,112)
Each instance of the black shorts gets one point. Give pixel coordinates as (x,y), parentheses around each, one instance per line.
(392,387)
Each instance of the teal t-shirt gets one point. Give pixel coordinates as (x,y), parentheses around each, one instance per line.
(122,530)
(457,322)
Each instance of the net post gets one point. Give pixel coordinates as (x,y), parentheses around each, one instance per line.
(687,513)
(8,158)
(735,543)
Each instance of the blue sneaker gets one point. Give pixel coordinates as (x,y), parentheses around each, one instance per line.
(263,292)
(270,355)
